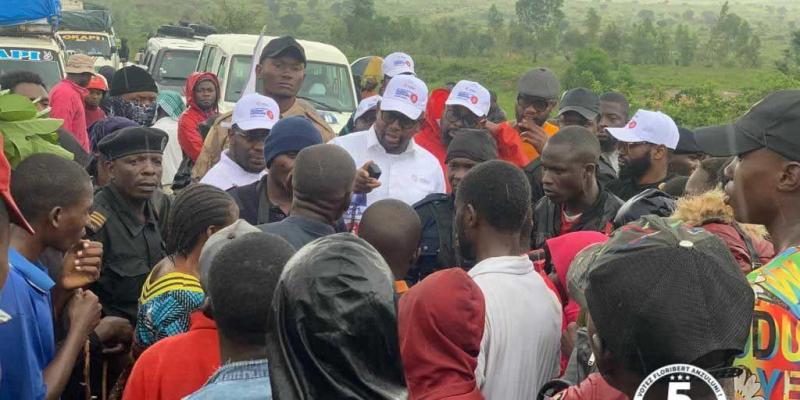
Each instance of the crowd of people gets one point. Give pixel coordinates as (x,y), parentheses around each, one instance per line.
(430,250)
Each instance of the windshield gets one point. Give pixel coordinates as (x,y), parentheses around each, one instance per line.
(48,70)
(327,86)
(174,66)
(92,45)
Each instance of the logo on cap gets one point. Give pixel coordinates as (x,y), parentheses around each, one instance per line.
(408,63)
(473,99)
(270,114)
(632,124)
(413,97)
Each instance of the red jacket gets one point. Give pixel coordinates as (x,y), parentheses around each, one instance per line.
(66,102)
(738,247)
(594,387)
(188,135)
(176,366)
(429,137)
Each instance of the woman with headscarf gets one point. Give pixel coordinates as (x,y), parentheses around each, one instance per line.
(170,107)
(335,325)
(441,323)
(133,95)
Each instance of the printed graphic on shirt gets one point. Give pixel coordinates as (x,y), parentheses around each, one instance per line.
(353,216)
(772,355)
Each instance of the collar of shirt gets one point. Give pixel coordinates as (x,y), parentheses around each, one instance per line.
(198,320)
(309,225)
(373,143)
(516,265)
(34,274)
(126,216)
(241,370)
(81,90)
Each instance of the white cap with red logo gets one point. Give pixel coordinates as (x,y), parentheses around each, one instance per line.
(367,104)
(406,94)
(471,95)
(254,111)
(648,126)
(398,64)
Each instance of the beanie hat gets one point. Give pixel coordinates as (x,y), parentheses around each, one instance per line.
(290,134)
(472,144)
(132,79)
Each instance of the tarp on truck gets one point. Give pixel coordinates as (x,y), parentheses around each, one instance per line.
(86,20)
(16,12)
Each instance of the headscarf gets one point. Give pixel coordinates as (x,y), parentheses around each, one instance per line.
(105,127)
(335,333)
(171,102)
(441,323)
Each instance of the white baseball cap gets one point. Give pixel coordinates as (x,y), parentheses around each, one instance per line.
(254,111)
(406,94)
(398,63)
(369,103)
(649,126)
(472,96)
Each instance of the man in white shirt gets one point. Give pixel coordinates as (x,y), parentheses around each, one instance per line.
(408,172)
(243,163)
(520,348)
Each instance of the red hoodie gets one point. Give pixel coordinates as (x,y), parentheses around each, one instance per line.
(188,135)
(509,143)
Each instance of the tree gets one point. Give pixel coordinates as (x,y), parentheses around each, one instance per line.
(613,40)
(592,24)
(790,64)
(732,36)
(541,18)
(274,7)
(493,18)
(643,40)
(688,15)
(685,44)
(593,69)
(291,22)
(646,14)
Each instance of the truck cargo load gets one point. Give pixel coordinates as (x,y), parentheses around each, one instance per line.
(86,20)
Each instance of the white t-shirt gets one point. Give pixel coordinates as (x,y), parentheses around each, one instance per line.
(227,174)
(173,155)
(408,176)
(521,345)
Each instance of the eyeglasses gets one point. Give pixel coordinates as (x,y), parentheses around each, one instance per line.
(253,135)
(389,117)
(466,118)
(538,103)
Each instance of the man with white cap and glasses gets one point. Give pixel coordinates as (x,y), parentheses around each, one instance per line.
(644,146)
(243,163)
(392,165)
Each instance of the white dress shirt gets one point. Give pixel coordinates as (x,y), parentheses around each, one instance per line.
(520,349)
(227,174)
(408,176)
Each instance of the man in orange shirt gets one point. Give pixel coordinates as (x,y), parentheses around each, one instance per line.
(537,96)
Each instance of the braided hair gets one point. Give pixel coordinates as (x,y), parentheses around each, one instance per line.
(195,209)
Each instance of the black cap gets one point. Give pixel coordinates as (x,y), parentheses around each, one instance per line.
(772,123)
(132,79)
(277,46)
(649,202)
(473,144)
(582,101)
(687,143)
(133,140)
(661,293)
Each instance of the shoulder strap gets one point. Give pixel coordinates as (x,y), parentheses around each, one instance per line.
(755,259)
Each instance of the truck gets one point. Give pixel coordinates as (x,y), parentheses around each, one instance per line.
(171,55)
(90,32)
(328,85)
(28,41)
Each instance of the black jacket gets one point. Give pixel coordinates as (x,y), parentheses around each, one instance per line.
(626,187)
(254,204)
(547,218)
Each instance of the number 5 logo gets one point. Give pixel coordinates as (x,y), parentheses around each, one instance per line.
(675,388)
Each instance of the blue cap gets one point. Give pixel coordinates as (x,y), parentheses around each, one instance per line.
(290,135)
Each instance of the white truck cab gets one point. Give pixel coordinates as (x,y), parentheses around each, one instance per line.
(24,49)
(170,60)
(328,84)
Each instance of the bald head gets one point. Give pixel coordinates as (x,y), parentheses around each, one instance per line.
(397,241)
(323,171)
(577,141)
